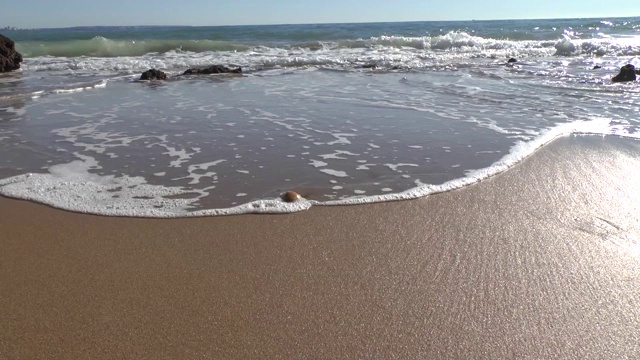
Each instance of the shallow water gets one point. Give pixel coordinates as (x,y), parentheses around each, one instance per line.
(96,140)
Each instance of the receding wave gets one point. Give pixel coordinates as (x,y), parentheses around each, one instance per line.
(103,47)
(72,187)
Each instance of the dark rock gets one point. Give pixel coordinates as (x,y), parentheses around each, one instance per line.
(10,59)
(369,66)
(627,73)
(512,60)
(153,74)
(597,67)
(213,69)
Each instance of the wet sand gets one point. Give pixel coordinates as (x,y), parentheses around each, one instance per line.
(542,261)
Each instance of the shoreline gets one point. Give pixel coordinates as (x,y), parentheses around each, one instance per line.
(83,204)
(537,261)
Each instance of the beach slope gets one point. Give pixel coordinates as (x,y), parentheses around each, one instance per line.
(542,261)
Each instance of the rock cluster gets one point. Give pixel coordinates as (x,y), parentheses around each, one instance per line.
(627,73)
(10,59)
(153,74)
(213,69)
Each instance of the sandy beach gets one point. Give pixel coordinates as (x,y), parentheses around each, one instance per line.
(541,261)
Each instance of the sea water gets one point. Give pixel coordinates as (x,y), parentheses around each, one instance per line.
(340,113)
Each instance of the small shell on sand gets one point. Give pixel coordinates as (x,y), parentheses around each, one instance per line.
(291,196)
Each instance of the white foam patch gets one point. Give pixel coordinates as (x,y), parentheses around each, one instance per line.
(318,163)
(341,139)
(16,111)
(182,155)
(336,173)
(104,139)
(338,155)
(491,125)
(205,166)
(395,167)
(195,177)
(102,84)
(72,187)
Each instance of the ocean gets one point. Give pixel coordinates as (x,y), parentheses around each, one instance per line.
(339,113)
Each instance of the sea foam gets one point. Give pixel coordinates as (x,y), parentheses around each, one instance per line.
(71,186)
(386,52)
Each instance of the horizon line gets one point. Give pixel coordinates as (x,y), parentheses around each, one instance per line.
(15,28)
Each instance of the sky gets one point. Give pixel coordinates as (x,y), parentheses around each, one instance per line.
(67,13)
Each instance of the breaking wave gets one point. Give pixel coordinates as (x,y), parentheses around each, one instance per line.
(455,43)
(103,47)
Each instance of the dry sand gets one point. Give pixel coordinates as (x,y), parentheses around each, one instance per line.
(542,261)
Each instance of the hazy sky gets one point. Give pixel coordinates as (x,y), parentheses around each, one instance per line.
(63,13)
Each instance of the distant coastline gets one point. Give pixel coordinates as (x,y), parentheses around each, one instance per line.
(14,28)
